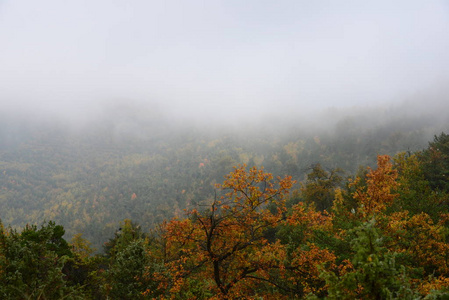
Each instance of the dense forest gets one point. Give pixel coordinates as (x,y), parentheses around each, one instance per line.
(134,163)
(136,207)
(224,150)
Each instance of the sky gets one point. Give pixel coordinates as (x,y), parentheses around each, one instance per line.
(218,58)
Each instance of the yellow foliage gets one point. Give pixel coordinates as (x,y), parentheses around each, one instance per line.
(379,192)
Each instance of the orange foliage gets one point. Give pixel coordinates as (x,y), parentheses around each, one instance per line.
(433,283)
(309,219)
(305,266)
(378,194)
(420,239)
(226,245)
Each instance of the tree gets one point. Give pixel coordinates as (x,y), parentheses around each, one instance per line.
(379,192)
(84,265)
(127,260)
(127,233)
(32,263)
(81,247)
(415,192)
(320,186)
(413,240)
(226,246)
(372,272)
(436,162)
(126,270)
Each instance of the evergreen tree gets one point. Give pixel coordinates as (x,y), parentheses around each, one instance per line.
(32,263)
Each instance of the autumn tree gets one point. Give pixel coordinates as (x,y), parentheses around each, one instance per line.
(380,190)
(304,235)
(226,246)
(416,242)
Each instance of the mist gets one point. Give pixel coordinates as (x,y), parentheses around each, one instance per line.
(136,109)
(218,62)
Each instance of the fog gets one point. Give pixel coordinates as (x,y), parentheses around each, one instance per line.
(219,61)
(104,101)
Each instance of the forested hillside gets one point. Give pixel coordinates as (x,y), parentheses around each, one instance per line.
(224,150)
(379,235)
(136,164)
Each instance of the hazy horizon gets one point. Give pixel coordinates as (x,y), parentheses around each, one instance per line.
(219,58)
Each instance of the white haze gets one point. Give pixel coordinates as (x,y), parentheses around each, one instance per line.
(218,59)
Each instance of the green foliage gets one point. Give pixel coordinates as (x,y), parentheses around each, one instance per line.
(126,270)
(416,193)
(436,162)
(375,274)
(128,260)
(320,186)
(32,262)
(127,233)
